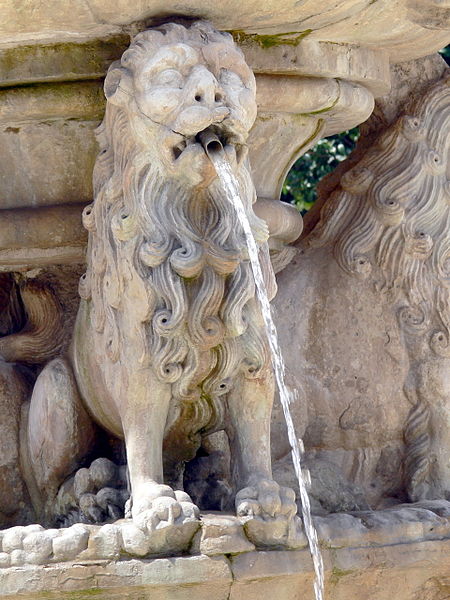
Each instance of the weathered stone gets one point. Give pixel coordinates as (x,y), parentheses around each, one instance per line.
(354,311)
(41,236)
(82,483)
(102,473)
(38,546)
(18,558)
(13,539)
(174,578)
(409,569)
(403,524)
(261,574)
(340,530)
(134,541)
(56,404)
(104,543)
(5,560)
(13,495)
(440,507)
(222,534)
(59,62)
(71,542)
(221,105)
(169,343)
(419,26)
(56,155)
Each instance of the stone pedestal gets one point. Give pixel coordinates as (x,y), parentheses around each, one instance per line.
(401,553)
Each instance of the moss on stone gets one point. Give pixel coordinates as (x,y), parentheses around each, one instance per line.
(60,61)
(67,595)
(85,594)
(337,574)
(322,110)
(291,38)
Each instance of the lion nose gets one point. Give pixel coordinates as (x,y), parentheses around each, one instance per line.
(206,89)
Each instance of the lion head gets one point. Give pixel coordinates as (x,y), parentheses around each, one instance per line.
(184,81)
(166,256)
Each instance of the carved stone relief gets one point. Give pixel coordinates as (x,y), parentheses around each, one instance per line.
(157,401)
(168,344)
(372,328)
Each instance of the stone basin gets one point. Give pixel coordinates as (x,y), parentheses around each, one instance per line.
(406,28)
(318,66)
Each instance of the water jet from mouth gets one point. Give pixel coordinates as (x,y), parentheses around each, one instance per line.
(214,149)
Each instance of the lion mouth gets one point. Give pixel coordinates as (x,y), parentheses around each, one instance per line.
(227,138)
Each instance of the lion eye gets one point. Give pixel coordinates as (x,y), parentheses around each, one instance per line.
(168,78)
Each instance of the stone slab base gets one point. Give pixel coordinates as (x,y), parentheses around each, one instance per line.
(414,571)
(401,553)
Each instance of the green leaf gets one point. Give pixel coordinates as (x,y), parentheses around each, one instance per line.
(299,187)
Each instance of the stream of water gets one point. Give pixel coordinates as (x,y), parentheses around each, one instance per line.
(231,190)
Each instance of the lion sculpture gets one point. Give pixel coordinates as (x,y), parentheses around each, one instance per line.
(372,330)
(169,344)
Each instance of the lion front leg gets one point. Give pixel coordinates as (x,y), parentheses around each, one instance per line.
(267,509)
(169,516)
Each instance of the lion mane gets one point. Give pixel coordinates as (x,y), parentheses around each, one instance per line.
(389,222)
(176,256)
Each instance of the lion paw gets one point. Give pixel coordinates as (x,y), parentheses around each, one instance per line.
(268,512)
(93,495)
(158,506)
(169,517)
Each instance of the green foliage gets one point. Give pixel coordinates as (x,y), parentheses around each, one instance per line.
(299,187)
(446,53)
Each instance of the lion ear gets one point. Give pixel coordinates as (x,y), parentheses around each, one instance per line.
(116,84)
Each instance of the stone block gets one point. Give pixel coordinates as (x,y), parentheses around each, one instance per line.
(104,543)
(13,538)
(5,560)
(339,530)
(71,542)
(222,534)
(134,541)
(38,546)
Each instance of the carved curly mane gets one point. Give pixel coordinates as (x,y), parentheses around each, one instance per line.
(390,222)
(176,256)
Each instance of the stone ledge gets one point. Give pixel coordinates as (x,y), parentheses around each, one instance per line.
(36,237)
(218,534)
(401,26)
(311,58)
(47,102)
(179,578)
(406,549)
(70,61)
(48,128)
(370,573)
(67,61)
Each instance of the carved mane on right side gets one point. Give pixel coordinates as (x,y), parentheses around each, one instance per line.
(389,222)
